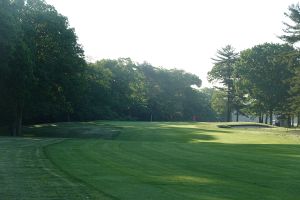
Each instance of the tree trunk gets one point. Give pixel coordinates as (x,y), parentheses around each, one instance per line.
(271,117)
(298,120)
(266,119)
(14,129)
(228,108)
(18,119)
(68,117)
(237,115)
(261,118)
(289,121)
(19,122)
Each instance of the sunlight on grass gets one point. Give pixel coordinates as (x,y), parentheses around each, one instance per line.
(161,161)
(183,179)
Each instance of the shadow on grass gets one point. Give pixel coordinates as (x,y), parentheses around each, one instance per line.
(135,131)
(129,131)
(72,130)
(189,171)
(231,171)
(165,134)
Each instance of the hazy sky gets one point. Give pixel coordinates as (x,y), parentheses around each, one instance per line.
(183,34)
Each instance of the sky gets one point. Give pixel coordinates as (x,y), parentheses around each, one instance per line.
(182,34)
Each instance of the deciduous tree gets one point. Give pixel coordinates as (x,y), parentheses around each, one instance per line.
(264,72)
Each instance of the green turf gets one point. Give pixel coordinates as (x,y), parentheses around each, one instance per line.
(134,160)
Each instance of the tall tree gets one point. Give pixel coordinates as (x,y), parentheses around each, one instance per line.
(222,72)
(8,38)
(59,60)
(17,74)
(43,65)
(295,94)
(292,36)
(264,72)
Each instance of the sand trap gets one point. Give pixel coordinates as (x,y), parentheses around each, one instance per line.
(246,126)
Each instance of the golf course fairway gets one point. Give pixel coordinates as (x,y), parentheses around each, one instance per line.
(143,161)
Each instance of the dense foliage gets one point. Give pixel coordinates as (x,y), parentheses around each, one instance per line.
(42,63)
(263,83)
(122,89)
(264,80)
(264,72)
(45,78)
(292,36)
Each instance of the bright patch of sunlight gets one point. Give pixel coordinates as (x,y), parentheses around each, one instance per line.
(188,179)
(43,125)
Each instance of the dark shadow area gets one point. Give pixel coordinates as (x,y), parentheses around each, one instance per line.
(72,130)
(134,131)
(190,129)
(166,134)
(4,131)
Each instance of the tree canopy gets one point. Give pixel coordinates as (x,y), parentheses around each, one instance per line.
(292,36)
(264,71)
(44,77)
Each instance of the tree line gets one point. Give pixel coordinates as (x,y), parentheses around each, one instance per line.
(263,80)
(125,90)
(44,77)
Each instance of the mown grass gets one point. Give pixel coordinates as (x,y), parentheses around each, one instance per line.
(136,160)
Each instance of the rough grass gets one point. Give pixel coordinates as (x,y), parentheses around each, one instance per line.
(26,173)
(134,160)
